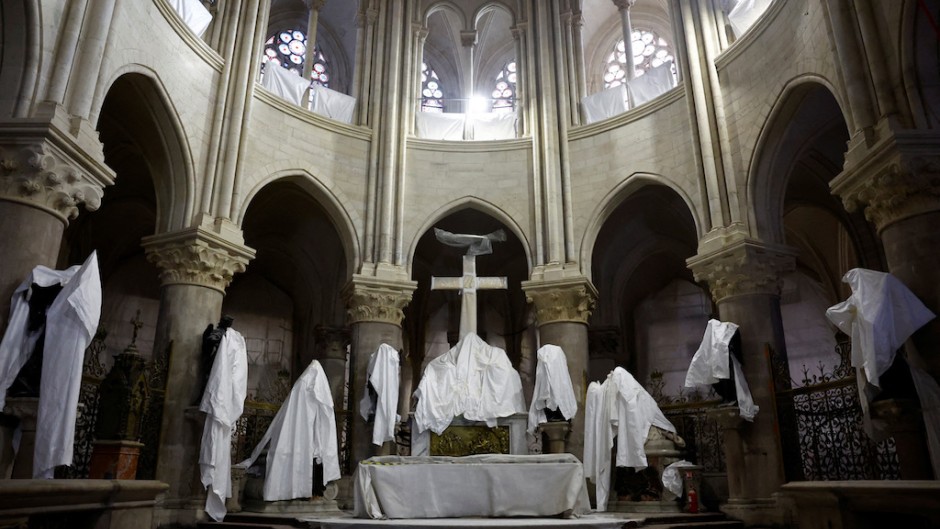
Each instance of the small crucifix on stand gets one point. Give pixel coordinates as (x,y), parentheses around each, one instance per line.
(469,282)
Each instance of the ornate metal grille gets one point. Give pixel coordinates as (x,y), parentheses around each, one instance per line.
(93,372)
(153,415)
(823,416)
(701,434)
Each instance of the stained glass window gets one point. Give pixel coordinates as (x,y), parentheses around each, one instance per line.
(649,51)
(504,93)
(432,97)
(288,49)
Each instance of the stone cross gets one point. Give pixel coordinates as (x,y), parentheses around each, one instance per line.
(468,284)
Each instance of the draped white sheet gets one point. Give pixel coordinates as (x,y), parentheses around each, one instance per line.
(71,322)
(333,104)
(605,104)
(194,14)
(879,316)
(620,408)
(489,485)
(553,388)
(745,13)
(473,379)
(18,343)
(383,373)
(303,430)
(493,126)
(223,402)
(440,126)
(711,364)
(652,84)
(284,83)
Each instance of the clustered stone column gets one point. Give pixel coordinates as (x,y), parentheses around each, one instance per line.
(374,312)
(744,277)
(196,265)
(562,310)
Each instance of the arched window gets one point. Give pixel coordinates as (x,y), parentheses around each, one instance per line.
(288,49)
(504,93)
(432,98)
(649,51)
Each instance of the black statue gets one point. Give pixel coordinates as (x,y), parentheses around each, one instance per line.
(211,338)
(28,380)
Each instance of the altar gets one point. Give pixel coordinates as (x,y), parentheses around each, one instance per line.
(491,485)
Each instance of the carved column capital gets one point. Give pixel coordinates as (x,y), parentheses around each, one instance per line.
(315,5)
(51,173)
(564,300)
(197,257)
(893,180)
(468,38)
(743,267)
(624,4)
(331,342)
(377,300)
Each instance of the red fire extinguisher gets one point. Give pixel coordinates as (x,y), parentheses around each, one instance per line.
(692,496)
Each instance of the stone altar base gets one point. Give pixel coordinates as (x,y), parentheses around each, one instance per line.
(252,501)
(667,506)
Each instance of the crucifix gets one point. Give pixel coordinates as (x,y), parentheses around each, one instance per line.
(469,282)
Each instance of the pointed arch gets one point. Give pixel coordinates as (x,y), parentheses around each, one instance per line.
(767,177)
(168,151)
(615,198)
(330,199)
(20,34)
(469,202)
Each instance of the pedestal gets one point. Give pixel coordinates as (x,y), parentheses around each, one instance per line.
(254,500)
(661,451)
(24,409)
(114,459)
(557,434)
(234,503)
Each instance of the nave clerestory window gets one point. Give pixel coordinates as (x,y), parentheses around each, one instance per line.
(432,97)
(288,49)
(649,51)
(504,93)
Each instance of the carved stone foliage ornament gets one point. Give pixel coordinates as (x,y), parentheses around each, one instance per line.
(196,257)
(376,303)
(36,175)
(746,267)
(565,301)
(899,191)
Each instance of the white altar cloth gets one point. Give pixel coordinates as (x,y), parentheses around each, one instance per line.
(482,485)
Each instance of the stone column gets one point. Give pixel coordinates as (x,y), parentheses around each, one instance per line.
(374,311)
(331,344)
(562,308)
(627,27)
(196,266)
(43,182)
(744,279)
(896,181)
(310,55)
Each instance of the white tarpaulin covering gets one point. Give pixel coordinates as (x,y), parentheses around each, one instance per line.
(493,126)
(383,375)
(553,388)
(304,429)
(711,364)
(333,104)
(672,480)
(605,104)
(879,316)
(440,126)
(473,379)
(652,84)
(491,485)
(620,408)
(71,322)
(223,402)
(284,83)
(745,13)
(194,14)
